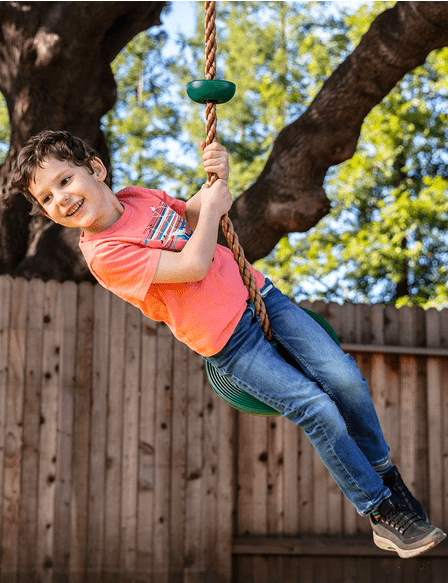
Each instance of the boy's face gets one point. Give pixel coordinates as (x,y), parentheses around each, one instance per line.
(73,197)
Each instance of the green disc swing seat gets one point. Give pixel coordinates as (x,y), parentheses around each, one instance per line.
(229,392)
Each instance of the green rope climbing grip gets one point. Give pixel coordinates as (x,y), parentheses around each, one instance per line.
(211,91)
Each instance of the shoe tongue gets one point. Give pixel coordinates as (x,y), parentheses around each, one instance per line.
(390,475)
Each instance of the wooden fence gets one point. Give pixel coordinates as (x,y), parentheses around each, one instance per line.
(118,462)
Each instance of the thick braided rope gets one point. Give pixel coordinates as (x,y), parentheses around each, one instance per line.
(226,223)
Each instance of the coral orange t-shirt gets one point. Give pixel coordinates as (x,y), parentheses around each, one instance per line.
(124,258)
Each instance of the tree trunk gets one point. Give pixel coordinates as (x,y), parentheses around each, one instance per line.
(55,74)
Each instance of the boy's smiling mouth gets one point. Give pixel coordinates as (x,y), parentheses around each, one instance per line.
(75,208)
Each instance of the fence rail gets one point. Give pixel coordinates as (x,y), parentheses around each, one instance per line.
(119,463)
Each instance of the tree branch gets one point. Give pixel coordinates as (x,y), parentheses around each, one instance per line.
(288,196)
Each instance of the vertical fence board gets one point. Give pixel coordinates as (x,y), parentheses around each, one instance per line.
(306,485)
(252,475)
(12,473)
(435,370)
(261,569)
(392,404)
(274,570)
(259,478)
(444,342)
(276,477)
(5,331)
(48,433)
(363,324)
(81,432)
(146,480)
(31,428)
(209,533)
(130,443)
(435,437)
(409,401)
(195,467)
(347,325)
(114,444)
(320,495)
(98,432)
(163,405)
(178,461)
(421,447)
(292,476)
(245,463)
(226,489)
(379,385)
(67,351)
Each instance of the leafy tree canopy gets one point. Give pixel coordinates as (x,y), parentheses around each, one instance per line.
(386,236)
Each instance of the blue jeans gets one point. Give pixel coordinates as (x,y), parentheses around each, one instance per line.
(322,391)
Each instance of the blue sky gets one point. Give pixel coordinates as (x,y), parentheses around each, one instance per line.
(181,18)
(182,15)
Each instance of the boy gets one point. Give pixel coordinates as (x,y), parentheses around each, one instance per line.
(161,255)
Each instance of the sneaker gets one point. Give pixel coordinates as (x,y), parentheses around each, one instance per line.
(403,531)
(401,496)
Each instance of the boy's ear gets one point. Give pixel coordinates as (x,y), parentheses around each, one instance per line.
(99,169)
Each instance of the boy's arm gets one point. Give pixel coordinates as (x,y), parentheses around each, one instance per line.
(216,161)
(193,262)
(193,209)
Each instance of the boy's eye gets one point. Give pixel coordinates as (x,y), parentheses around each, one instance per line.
(46,199)
(65,180)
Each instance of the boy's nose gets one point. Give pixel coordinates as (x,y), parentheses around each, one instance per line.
(62,198)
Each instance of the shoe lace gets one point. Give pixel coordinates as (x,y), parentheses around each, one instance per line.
(401,519)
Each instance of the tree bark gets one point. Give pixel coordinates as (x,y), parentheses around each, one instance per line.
(55,74)
(288,196)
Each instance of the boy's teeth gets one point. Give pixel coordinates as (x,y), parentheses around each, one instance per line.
(75,209)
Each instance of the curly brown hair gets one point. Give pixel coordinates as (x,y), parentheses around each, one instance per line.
(61,145)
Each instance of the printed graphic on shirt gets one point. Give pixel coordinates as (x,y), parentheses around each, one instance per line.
(167,227)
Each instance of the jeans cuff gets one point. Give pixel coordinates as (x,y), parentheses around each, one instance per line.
(383,466)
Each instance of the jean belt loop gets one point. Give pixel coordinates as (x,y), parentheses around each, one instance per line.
(265,291)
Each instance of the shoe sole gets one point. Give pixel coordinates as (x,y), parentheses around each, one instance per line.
(388,545)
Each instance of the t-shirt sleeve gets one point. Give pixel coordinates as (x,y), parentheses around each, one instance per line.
(125,269)
(177,205)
